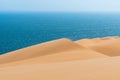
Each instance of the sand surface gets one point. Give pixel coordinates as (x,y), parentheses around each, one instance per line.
(63,59)
(97,69)
(67,51)
(109,46)
(47,48)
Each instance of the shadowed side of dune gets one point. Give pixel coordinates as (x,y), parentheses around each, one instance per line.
(71,52)
(75,54)
(97,69)
(88,42)
(47,48)
(109,46)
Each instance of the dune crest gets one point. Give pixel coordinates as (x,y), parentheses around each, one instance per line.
(47,48)
(109,45)
(59,51)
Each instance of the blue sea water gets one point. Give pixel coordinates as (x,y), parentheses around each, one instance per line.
(18,30)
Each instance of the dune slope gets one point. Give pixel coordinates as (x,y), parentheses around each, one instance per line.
(109,46)
(97,69)
(68,52)
(38,50)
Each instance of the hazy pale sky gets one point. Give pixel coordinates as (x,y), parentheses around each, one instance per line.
(60,5)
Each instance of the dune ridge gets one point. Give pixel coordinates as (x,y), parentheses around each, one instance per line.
(109,45)
(47,48)
(70,51)
(97,69)
(63,59)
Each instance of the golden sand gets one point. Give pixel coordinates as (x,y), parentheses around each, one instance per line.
(63,59)
(57,51)
(97,69)
(109,45)
(47,48)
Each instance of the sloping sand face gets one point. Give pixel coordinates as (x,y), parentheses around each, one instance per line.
(66,51)
(97,69)
(75,54)
(109,46)
(38,50)
(89,42)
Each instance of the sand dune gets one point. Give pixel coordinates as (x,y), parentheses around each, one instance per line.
(47,48)
(97,69)
(66,51)
(89,42)
(71,55)
(64,60)
(109,46)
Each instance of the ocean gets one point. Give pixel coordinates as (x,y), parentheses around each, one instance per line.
(19,30)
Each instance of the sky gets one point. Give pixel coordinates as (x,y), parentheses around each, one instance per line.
(60,5)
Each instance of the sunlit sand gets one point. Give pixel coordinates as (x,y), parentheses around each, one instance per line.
(63,59)
(109,45)
(97,69)
(55,51)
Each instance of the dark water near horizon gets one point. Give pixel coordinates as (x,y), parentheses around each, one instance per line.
(18,30)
